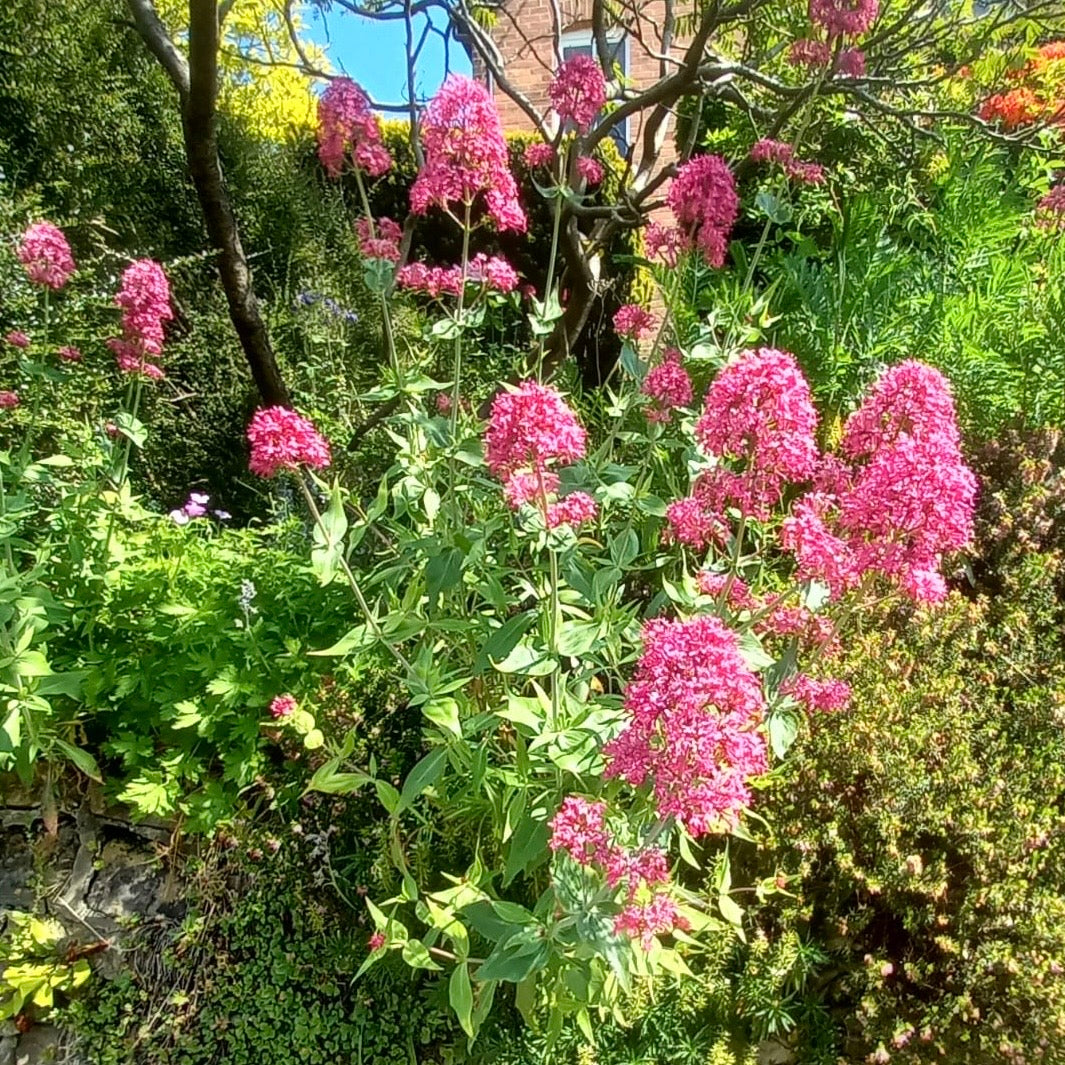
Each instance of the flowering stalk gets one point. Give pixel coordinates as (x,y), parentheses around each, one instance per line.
(556,220)
(364,606)
(386,315)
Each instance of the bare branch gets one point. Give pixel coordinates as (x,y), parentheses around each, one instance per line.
(154,35)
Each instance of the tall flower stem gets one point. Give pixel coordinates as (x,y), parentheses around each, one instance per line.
(556,220)
(135,391)
(386,315)
(456,386)
(353,583)
(35,410)
(554,621)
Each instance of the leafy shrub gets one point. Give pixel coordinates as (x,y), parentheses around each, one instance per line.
(923,828)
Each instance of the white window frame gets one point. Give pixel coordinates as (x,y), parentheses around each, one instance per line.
(586,39)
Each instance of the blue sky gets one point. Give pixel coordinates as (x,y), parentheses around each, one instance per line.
(374,53)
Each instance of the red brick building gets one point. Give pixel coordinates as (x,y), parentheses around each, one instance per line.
(534,36)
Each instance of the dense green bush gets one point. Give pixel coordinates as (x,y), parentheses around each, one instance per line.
(922,830)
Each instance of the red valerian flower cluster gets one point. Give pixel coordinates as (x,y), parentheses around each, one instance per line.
(704,202)
(668,386)
(759,422)
(538,154)
(281,439)
(45,255)
(844,18)
(346,122)
(145,301)
(491,272)
(591,170)
(531,427)
(466,156)
(578,91)
(530,430)
(17,339)
(851,63)
(379,239)
(898,498)
(632,322)
(8,400)
(808,53)
(579,829)
(772,151)
(664,242)
(694,732)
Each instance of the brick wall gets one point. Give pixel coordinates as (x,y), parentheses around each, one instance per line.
(525,35)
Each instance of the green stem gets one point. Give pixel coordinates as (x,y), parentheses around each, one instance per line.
(364,606)
(555,616)
(555,227)
(386,316)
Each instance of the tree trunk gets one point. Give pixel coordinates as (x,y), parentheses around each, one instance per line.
(197,86)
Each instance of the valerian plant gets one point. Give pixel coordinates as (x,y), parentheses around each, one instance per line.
(611,639)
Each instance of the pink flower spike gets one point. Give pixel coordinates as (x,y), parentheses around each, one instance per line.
(281,439)
(346,122)
(531,428)
(1050,210)
(850,63)
(704,202)
(632,322)
(68,353)
(844,18)
(17,339)
(823,696)
(466,156)
(807,53)
(45,255)
(8,400)
(145,301)
(694,735)
(537,154)
(575,509)
(591,170)
(668,386)
(579,829)
(759,415)
(283,706)
(578,91)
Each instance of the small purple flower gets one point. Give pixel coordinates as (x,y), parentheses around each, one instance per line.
(222,515)
(196,506)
